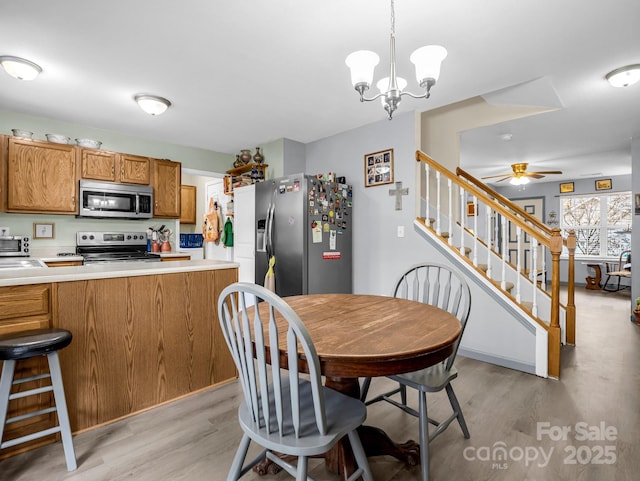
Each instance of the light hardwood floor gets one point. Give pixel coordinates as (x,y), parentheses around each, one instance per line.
(195,438)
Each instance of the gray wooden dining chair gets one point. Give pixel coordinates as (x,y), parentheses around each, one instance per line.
(283,410)
(437,285)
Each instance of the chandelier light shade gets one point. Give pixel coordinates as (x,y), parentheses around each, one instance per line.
(624,76)
(427,61)
(20,68)
(152,104)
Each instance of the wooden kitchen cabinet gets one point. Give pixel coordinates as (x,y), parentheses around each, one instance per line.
(166,180)
(41,177)
(25,308)
(114,167)
(98,165)
(161,342)
(134,169)
(188,204)
(3,173)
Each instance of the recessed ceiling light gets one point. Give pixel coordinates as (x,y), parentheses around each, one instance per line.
(152,104)
(624,76)
(20,68)
(506,137)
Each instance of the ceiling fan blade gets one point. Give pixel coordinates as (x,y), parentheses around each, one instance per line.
(547,172)
(535,175)
(499,175)
(504,178)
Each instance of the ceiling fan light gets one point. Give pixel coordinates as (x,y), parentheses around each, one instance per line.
(519,180)
(152,104)
(20,68)
(362,64)
(624,76)
(428,61)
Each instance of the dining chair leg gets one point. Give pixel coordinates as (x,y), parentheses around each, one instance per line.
(303,463)
(403,393)
(456,409)
(238,459)
(424,435)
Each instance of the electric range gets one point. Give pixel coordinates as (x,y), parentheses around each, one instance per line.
(107,247)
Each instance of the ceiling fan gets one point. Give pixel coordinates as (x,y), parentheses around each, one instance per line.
(520,175)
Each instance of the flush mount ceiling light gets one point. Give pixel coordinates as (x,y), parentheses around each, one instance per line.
(624,76)
(20,68)
(427,61)
(152,104)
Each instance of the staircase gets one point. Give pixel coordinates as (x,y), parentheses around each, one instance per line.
(511,254)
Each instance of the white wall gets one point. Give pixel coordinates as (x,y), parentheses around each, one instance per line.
(635,239)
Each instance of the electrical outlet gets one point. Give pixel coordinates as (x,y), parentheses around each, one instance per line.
(4,231)
(400,231)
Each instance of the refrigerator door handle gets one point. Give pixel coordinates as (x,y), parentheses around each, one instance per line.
(269,227)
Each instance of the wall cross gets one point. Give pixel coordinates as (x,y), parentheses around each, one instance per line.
(399,192)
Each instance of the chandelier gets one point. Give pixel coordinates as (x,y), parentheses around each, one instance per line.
(426,59)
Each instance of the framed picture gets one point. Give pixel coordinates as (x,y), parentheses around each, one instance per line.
(471,209)
(566,187)
(43,230)
(603,184)
(637,204)
(378,168)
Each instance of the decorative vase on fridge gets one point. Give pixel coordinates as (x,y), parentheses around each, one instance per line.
(258,158)
(245,156)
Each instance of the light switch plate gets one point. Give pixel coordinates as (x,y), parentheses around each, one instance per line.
(400,231)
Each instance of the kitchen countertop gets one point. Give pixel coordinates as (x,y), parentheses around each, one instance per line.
(41,275)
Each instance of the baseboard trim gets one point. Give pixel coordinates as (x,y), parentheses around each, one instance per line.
(498,360)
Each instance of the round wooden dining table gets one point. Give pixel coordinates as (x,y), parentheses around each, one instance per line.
(359,335)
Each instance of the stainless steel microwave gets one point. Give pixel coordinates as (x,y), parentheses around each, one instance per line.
(106,199)
(15,245)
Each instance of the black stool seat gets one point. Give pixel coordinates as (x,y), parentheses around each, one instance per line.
(25,344)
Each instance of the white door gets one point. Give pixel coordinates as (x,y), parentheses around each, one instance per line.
(244,235)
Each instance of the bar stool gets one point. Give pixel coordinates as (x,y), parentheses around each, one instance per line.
(24,345)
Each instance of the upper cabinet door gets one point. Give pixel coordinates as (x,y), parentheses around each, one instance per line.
(188,204)
(98,165)
(166,181)
(135,169)
(41,177)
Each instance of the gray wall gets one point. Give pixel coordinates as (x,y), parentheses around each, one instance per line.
(551,193)
(379,255)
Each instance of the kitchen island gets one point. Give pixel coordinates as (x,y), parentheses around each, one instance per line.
(143,334)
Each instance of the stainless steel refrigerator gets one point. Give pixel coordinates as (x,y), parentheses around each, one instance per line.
(306,224)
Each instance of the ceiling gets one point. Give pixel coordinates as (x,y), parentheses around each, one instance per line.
(242,73)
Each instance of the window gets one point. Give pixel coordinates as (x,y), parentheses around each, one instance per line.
(601,222)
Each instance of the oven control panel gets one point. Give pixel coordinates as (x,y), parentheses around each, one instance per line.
(111,238)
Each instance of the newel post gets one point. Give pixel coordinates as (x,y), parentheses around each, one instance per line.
(554,327)
(571,302)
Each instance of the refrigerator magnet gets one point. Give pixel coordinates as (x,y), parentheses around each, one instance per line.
(332,240)
(316,234)
(325,227)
